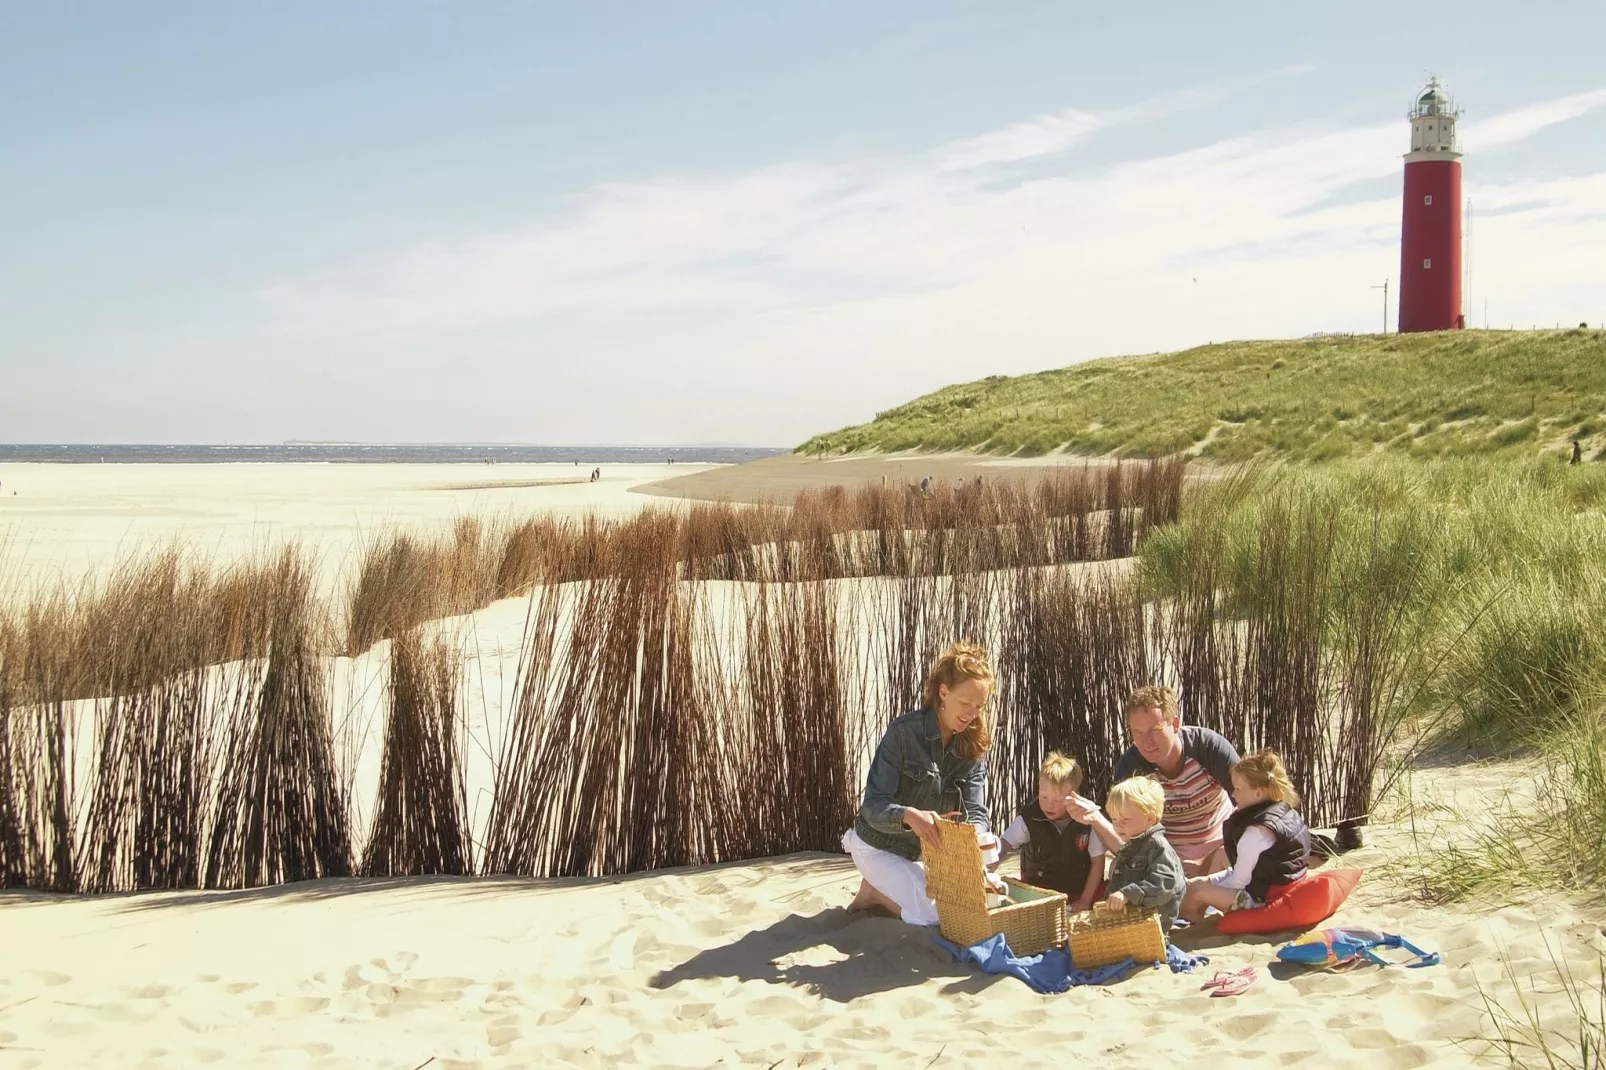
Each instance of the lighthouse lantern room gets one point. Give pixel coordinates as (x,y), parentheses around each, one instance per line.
(1430,234)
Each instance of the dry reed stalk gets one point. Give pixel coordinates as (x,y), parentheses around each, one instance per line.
(420,821)
(796,737)
(13,855)
(278,814)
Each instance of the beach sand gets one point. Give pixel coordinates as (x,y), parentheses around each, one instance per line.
(67,520)
(754,963)
(780,478)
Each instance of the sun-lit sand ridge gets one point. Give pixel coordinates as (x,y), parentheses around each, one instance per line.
(752,963)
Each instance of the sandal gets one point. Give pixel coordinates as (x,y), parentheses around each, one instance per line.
(1231,984)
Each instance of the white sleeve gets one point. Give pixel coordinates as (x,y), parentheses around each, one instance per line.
(1017,833)
(1254,840)
(1095,845)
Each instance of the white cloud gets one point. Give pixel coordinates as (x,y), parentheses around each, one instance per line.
(1520,123)
(897,275)
(1045,135)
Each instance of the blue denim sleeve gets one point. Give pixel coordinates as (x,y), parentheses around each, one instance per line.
(970,796)
(880,808)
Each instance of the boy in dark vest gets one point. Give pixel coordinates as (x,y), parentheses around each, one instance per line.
(1059,850)
(1266,840)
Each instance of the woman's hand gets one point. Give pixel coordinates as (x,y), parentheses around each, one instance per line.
(1116,902)
(1082,811)
(923,823)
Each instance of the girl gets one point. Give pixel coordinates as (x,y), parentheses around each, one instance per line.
(931,761)
(1266,840)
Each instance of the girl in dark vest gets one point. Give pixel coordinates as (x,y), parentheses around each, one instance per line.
(1059,849)
(1266,840)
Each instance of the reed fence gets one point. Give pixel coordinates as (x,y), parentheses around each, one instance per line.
(692,687)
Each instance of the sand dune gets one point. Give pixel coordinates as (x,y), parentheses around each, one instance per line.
(746,964)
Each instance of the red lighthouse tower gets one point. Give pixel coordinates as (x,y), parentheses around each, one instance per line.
(1430,236)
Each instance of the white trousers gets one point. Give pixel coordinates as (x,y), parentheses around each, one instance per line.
(897,878)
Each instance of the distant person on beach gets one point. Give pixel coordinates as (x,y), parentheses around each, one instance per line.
(1578,453)
(930,763)
(1266,840)
(1194,766)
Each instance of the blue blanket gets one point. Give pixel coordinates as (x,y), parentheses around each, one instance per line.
(1052,971)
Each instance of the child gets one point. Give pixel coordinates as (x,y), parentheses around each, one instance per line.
(1266,840)
(1058,849)
(1147,872)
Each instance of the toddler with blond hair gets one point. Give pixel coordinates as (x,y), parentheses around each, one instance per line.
(1058,834)
(1146,871)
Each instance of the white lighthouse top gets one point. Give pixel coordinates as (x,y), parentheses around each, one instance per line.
(1433,117)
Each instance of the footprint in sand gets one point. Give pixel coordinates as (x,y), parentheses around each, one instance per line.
(43,978)
(294,1005)
(503,1031)
(148,992)
(1244,1026)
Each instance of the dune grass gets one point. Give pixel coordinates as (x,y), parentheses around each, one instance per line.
(1447,394)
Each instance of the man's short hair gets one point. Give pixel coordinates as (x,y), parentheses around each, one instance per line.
(1154,697)
(1061,771)
(1140,793)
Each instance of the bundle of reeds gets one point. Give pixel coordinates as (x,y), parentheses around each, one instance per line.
(278,813)
(420,821)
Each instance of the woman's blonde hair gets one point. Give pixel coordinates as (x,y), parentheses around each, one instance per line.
(1264,770)
(1140,793)
(960,662)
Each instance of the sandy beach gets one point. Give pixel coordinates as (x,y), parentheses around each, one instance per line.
(780,478)
(751,963)
(67,520)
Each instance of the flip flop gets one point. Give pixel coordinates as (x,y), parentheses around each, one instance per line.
(1231,984)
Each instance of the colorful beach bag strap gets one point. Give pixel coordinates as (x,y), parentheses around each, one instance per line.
(1424,958)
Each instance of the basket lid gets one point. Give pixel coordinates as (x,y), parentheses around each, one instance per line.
(954,870)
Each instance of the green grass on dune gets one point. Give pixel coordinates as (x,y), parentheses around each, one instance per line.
(1493,572)
(1447,394)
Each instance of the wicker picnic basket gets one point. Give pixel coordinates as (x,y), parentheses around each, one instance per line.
(1101,936)
(1032,921)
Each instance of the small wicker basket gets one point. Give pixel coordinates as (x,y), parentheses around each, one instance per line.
(1032,921)
(1101,936)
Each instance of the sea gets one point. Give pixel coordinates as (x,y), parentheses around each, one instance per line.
(383,453)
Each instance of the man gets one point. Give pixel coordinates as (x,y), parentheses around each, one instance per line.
(1193,765)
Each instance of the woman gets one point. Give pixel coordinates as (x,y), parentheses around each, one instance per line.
(930,762)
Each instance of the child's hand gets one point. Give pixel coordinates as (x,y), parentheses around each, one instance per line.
(1082,811)
(1082,906)
(1116,902)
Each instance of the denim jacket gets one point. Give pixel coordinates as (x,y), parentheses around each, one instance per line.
(912,770)
(1148,873)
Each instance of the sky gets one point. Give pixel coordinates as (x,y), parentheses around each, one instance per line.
(681,223)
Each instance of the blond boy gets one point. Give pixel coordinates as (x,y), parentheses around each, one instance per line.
(1057,834)
(1146,871)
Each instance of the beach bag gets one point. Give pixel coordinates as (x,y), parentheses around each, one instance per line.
(1349,947)
(1300,904)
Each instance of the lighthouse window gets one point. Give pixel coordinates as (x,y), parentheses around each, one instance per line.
(1428,199)
(1427,263)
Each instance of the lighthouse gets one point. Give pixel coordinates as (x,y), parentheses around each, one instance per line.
(1430,233)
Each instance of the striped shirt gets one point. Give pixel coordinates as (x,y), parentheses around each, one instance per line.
(1195,805)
